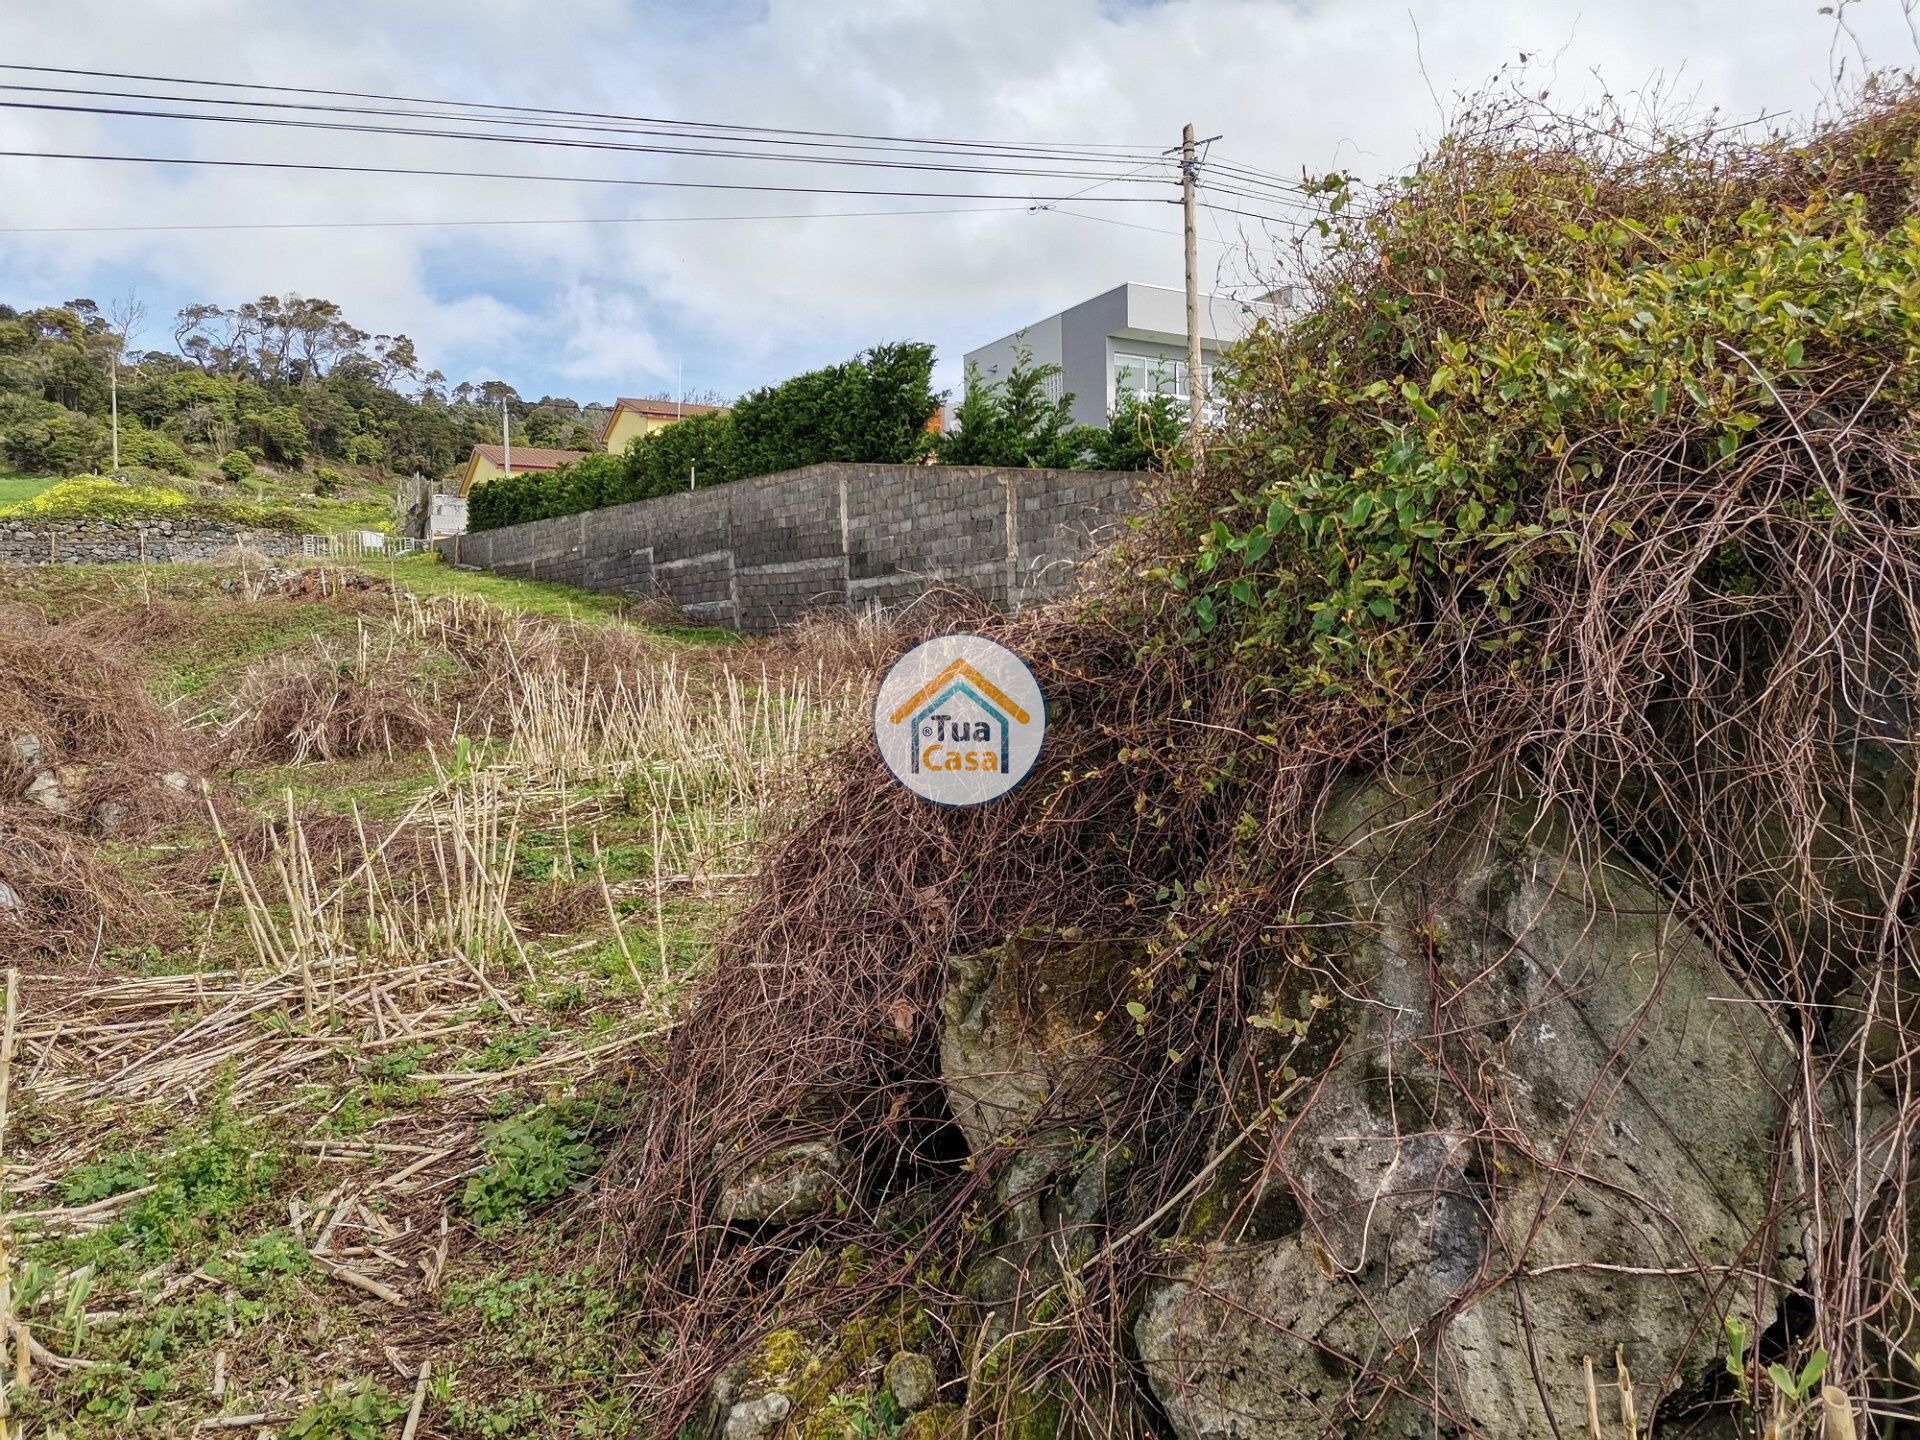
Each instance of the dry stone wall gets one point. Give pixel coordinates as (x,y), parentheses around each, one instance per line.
(759,553)
(100,542)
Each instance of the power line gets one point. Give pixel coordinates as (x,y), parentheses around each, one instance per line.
(665,129)
(1251,172)
(1156,229)
(617,180)
(554,220)
(1247,183)
(1138,150)
(554,141)
(533,221)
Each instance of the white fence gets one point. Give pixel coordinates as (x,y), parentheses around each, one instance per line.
(358,544)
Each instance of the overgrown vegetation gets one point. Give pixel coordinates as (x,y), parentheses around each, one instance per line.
(338,910)
(1587,473)
(94,497)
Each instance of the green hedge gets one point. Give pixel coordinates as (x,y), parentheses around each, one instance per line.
(873,408)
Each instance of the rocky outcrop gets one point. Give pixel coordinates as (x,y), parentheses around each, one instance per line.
(791,1183)
(1534,1121)
(1549,1132)
(1022,1060)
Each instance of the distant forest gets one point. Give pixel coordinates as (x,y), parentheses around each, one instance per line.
(285,379)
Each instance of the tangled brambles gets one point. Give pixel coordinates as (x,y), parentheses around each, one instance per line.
(1463,923)
(85,753)
(335,703)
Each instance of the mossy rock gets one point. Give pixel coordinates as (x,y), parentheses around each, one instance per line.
(810,1368)
(1616,1041)
(1023,1025)
(936,1422)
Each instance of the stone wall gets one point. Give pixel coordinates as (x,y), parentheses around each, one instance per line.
(96,542)
(759,553)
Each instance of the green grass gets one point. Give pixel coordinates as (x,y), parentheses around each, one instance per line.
(373,785)
(14,489)
(429,576)
(226,642)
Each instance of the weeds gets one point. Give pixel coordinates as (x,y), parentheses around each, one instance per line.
(255,1137)
(362,1412)
(532,1160)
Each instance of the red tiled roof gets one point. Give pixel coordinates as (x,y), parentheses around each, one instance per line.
(526,457)
(664,409)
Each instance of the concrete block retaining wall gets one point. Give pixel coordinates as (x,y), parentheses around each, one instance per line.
(759,553)
(97,542)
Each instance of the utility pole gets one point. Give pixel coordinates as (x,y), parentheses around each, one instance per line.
(115,385)
(506,440)
(1189,203)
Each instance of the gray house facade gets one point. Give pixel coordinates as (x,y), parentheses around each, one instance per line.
(1133,338)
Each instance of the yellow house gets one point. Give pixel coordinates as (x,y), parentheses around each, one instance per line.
(630,419)
(489,462)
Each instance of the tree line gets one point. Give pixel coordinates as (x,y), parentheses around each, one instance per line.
(283,379)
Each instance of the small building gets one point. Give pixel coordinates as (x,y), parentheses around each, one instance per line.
(1132,338)
(490,462)
(630,419)
(446,515)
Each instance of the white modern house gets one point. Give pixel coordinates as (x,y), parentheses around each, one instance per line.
(1133,338)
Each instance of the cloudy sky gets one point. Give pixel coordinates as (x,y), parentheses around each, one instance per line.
(661,286)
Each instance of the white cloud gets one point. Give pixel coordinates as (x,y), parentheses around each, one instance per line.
(609,342)
(1289,85)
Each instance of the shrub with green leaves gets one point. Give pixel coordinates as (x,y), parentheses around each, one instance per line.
(236,465)
(1014,422)
(532,1160)
(1147,434)
(1452,407)
(364,449)
(46,439)
(873,408)
(147,449)
(279,434)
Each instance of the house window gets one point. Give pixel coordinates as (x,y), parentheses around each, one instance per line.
(1145,376)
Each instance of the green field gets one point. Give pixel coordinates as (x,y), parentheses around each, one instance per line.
(17,488)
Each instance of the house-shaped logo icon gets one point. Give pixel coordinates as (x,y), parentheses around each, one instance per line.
(959,719)
(960,707)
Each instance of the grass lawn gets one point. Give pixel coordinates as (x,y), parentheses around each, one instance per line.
(17,488)
(429,575)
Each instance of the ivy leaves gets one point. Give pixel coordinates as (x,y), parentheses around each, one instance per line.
(1480,356)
